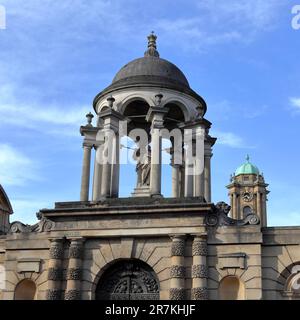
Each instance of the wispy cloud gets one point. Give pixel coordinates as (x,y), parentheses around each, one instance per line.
(218,22)
(295,105)
(229,139)
(16,168)
(51,119)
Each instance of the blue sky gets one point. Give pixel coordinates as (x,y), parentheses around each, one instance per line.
(241,56)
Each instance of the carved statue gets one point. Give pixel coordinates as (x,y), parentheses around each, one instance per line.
(143,166)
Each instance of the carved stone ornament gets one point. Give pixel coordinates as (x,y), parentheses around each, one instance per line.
(44,225)
(199,248)
(199,271)
(247,196)
(178,246)
(74,274)
(76,251)
(72,295)
(177,294)
(220,217)
(55,274)
(56,250)
(177,272)
(128,280)
(54,294)
(199,294)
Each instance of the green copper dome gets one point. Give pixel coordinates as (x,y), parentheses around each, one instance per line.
(247,168)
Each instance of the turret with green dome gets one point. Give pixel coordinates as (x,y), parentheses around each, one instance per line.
(247,168)
(248,193)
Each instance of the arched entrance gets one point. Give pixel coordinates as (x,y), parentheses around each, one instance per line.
(25,290)
(128,280)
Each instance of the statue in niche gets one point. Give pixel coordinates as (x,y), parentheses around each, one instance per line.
(143,157)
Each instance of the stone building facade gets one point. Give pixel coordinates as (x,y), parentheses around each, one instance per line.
(147,246)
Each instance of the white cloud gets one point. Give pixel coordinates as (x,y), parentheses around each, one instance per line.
(16,168)
(50,119)
(229,139)
(295,104)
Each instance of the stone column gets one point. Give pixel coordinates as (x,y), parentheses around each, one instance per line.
(155,173)
(182,179)
(106,180)
(258,203)
(56,254)
(97,179)
(175,180)
(207,173)
(199,268)
(189,174)
(110,168)
(85,178)
(234,206)
(115,169)
(264,209)
(199,180)
(177,272)
(156,117)
(74,271)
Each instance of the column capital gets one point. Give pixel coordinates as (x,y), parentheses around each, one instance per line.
(156,116)
(199,236)
(57,240)
(87,145)
(178,237)
(76,239)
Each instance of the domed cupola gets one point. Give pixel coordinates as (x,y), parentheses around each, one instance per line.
(247,168)
(152,72)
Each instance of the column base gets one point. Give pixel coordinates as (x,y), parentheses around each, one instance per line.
(142,191)
(157,195)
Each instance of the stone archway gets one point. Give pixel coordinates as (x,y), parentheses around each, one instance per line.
(25,290)
(128,280)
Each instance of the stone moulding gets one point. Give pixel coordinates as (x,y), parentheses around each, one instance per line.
(233,260)
(220,217)
(44,225)
(29,265)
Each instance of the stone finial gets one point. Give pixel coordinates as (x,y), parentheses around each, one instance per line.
(152,52)
(89,118)
(110,101)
